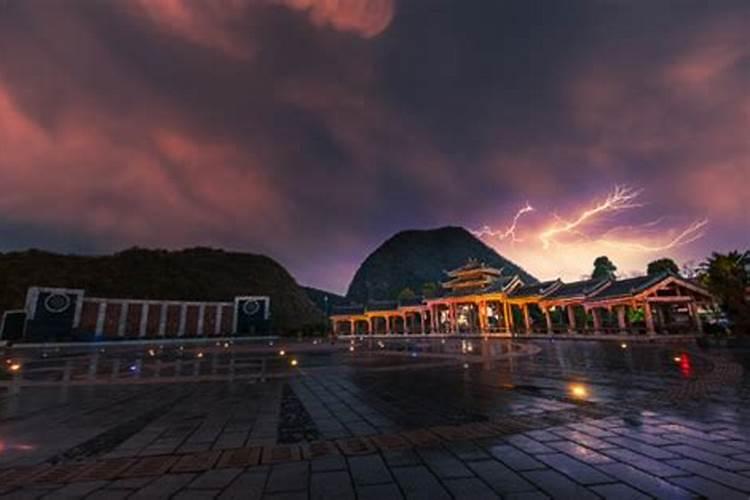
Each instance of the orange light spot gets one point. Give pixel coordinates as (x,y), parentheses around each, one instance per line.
(579,390)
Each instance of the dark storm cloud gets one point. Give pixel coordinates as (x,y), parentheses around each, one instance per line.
(312,130)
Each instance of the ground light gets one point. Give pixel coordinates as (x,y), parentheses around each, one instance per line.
(14,367)
(624,345)
(293,362)
(282,352)
(579,391)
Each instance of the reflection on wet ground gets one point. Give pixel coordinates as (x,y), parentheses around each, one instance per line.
(109,402)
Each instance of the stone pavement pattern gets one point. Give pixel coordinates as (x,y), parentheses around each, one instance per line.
(507,432)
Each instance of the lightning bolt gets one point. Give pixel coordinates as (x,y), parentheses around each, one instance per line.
(621,198)
(510,231)
(690,234)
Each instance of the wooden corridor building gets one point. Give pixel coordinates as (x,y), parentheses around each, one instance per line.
(477,299)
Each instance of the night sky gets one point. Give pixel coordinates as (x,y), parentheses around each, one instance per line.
(311,130)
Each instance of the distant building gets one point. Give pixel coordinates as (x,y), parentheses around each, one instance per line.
(55,314)
(480,299)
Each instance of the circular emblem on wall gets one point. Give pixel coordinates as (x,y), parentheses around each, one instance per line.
(57,303)
(251,307)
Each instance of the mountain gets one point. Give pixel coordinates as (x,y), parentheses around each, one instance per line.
(410,259)
(323,299)
(190,274)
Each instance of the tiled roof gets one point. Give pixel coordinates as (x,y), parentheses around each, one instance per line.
(631,286)
(535,289)
(577,289)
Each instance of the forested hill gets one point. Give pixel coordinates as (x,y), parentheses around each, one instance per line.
(190,274)
(412,259)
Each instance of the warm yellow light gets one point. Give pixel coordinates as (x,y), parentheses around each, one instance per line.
(199,355)
(151,352)
(282,352)
(293,362)
(579,391)
(624,345)
(677,359)
(15,367)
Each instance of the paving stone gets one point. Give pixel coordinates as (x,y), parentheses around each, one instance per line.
(418,483)
(501,479)
(642,448)
(649,465)
(60,473)
(421,437)
(331,485)
(379,492)
(469,489)
(197,462)
(319,449)
(166,486)
(710,446)
(328,463)
(467,451)
(591,430)
(584,439)
(528,445)
(281,454)
(581,472)
(579,452)
(356,446)
(542,436)
(558,486)
(401,458)
(648,483)
(288,477)
(151,466)
(240,457)
(109,494)
(369,470)
(730,479)
(443,464)
(196,495)
(387,442)
(515,458)
(709,489)
(105,470)
(618,491)
(247,486)
(709,458)
(76,490)
(215,479)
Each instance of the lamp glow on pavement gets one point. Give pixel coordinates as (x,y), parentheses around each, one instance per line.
(579,391)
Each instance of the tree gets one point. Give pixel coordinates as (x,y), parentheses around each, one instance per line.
(726,277)
(603,268)
(430,290)
(406,294)
(661,266)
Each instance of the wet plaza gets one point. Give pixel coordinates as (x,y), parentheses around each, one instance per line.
(375,418)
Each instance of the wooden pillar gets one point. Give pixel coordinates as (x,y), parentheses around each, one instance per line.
(482,309)
(548,320)
(353,331)
(595,313)
(506,318)
(453,321)
(621,310)
(648,315)
(571,318)
(526,317)
(388,330)
(693,309)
